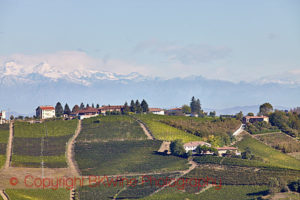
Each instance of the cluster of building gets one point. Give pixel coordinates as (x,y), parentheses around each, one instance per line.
(192,146)
(45,112)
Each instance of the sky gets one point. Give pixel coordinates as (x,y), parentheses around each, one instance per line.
(226,40)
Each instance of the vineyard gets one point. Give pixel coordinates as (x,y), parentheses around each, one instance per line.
(120,157)
(34,143)
(214,130)
(115,127)
(4,134)
(268,154)
(240,192)
(38,194)
(281,142)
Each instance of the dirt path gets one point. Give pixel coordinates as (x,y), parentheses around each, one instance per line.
(9,145)
(70,152)
(149,135)
(3,195)
(193,166)
(165,146)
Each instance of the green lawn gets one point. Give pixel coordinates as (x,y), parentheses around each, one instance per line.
(165,132)
(119,157)
(268,154)
(38,194)
(115,127)
(227,192)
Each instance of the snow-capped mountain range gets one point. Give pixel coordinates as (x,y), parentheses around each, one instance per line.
(24,87)
(12,72)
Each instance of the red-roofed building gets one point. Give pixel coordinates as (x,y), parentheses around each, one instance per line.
(86,113)
(110,108)
(157,111)
(252,119)
(45,112)
(2,117)
(223,150)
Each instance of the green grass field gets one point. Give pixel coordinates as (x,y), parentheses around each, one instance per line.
(27,143)
(38,194)
(268,154)
(227,192)
(120,157)
(165,132)
(114,127)
(4,135)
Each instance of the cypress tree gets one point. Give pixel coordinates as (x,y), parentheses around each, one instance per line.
(59,111)
(145,106)
(132,106)
(81,106)
(138,107)
(75,108)
(67,109)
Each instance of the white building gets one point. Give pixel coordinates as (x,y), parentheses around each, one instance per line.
(157,111)
(2,117)
(191,146)
(45,112)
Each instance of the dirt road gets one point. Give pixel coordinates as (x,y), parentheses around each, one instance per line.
(70,152)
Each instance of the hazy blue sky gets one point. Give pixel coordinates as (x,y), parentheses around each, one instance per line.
(231,40)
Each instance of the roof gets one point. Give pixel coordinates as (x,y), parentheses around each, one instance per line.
(111,107)
(46,107)
(155,109)
(88,110)
(196,143)
(175,109)
(256,117)
(226,148)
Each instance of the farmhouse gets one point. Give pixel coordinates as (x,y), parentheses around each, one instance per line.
(109,108)
(174,111)
(45,112)
(252,119)
(191,146)
(224,150)
(157,111)
(2,117)
(85,113)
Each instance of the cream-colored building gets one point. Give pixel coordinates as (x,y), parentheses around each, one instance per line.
(45,112)
(2,117)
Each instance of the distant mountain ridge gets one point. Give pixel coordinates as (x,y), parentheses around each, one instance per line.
(22,89)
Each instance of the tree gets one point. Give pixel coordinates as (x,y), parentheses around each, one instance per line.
(247,154)
(145,106)
(87,105)
(265,109)
(239,116)
(126,109)
(93,106)
(75,108)
(132,106)
(193,104)
(59,111)
(67,109)
(250,114)
(186,109)
(11,117)
(81,106)
(97,106)
(212,113)
(138,107)
(176,148)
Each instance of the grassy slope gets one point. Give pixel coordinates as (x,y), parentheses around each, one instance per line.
(268,154)
(281,139)
(4,134)
(110,128)
(119,157)
(225,193)
(163,131)
(55,129)
(38,194)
